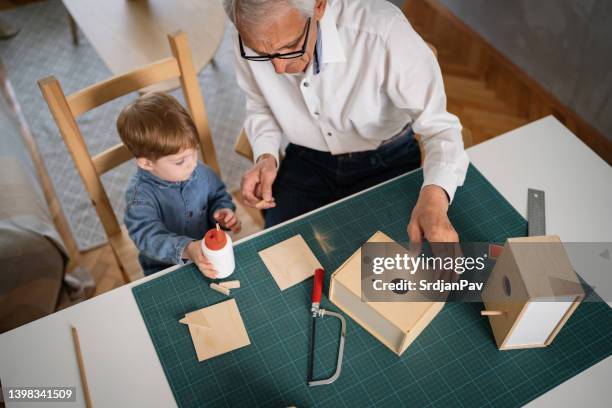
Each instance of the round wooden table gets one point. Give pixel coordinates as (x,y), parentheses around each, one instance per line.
(129,34)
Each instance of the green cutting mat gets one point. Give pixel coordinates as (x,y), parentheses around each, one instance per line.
(454,362)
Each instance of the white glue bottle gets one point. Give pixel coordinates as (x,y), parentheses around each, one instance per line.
(218,248)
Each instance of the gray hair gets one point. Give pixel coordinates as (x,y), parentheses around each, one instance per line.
(258,11)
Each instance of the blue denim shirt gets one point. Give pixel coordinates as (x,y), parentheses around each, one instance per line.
(162,217)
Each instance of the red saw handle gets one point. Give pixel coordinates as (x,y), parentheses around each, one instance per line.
(317,287)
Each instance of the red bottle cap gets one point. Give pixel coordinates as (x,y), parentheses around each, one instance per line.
(215,239)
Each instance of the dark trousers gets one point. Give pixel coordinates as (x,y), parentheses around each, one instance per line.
(308,179)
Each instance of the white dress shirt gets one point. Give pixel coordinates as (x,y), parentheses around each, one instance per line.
(376,76)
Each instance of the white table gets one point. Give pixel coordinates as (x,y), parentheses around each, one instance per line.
(578,190)
(121,363)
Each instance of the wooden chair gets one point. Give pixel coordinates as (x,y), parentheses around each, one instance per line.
(243,146)
(65,110)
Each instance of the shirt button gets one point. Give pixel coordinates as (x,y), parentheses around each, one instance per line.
(190,214)
(329,134)
(306,84)
(316,113)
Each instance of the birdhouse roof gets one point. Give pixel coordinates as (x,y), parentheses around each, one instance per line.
(544,267)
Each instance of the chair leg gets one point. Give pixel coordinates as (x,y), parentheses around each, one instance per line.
(124,274)
(74,30)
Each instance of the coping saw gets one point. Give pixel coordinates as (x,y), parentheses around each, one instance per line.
(317,289)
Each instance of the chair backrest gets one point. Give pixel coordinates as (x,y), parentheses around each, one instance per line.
(65,110)
(243,146)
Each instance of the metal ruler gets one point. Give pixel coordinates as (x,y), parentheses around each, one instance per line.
(536,217)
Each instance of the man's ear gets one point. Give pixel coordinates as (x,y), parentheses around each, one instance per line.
(319,9)
(144,163)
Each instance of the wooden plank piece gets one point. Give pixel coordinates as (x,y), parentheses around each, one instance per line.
(290,261)
(233,284)
(220,289)
(225,331)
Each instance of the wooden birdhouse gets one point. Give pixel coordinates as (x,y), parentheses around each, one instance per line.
(395,324)
(531,292)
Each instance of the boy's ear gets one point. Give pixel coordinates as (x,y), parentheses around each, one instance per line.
(144,163)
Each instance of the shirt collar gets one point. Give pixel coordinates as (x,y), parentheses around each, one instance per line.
(148,176)
(318,51)
(332,52)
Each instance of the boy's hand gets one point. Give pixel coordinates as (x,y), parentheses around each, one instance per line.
(193,252)
(228,219)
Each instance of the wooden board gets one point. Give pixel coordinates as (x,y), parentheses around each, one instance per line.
(290,262)
(216,330)
(131,34)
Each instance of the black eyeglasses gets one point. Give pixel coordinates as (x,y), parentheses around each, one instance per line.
(268,57)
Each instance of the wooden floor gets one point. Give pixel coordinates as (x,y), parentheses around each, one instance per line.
(9,4)
(469,96)
(490,94)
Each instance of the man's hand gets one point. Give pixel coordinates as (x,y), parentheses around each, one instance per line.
(257,183)
(429,219)
(193,252)
(228,219)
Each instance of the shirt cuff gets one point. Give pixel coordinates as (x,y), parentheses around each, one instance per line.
(179,248)
(265,146)
(443,176)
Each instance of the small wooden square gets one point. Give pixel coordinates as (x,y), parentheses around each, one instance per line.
(216,329)
(290,262)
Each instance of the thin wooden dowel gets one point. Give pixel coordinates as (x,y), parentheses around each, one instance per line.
(77,348)
(491,313)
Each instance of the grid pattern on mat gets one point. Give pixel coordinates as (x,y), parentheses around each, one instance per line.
(454,362)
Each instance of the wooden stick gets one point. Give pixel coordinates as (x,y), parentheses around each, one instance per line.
(233,284)
(262,204)
(220,289)
(77,348)
(491,312)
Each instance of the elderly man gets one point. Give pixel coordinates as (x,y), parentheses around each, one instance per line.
(346,82)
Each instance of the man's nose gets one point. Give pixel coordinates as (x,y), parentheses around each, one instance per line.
(280,65)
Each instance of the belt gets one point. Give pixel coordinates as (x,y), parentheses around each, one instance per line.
(405,132)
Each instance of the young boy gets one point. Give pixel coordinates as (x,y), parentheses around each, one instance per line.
(173,199)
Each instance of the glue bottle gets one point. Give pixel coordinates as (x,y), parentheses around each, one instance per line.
(218,248)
